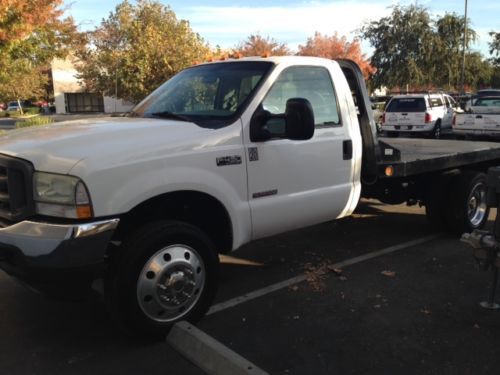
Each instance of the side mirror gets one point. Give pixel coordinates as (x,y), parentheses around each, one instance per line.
(299,119)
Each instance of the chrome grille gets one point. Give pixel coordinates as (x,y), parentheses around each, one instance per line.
(16,200)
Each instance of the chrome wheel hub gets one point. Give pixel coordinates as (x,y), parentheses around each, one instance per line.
(170,283)
(476,205)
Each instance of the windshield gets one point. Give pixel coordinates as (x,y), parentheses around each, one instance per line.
(208,95)
(406,105)
(488,102)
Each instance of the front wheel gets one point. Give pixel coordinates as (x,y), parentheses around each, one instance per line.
(166,272)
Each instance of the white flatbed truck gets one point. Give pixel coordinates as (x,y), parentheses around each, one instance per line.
(222,154)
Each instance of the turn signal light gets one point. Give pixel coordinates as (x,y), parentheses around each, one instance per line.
(389,171)
(84,212)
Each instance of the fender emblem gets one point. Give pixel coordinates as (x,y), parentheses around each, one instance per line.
(228,160)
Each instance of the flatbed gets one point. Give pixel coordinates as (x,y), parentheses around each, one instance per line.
(417,156)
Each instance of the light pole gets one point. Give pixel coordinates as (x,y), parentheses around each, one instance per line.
(464,47)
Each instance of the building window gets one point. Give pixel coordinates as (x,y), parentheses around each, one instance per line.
(84,102)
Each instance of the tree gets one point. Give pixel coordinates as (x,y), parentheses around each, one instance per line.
(32,33)
(448,50)
(478,71)
(257,45)
(413,49)
(403,45)
(335,47)
(137,48)
(495,48)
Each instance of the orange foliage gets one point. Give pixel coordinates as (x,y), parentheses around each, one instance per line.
(257,45)
(19,18)
(335,47)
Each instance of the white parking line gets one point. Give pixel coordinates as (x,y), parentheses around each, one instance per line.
(207,353)
(298,279)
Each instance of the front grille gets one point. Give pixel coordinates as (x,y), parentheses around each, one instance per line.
(16,196)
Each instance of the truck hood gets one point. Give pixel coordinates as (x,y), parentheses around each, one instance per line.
(59,147)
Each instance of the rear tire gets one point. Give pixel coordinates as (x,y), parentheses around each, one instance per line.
(436,132)
(436,202)
(466,207)
(166,271)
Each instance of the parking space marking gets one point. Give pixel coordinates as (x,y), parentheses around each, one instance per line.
(207,353)
(300,278)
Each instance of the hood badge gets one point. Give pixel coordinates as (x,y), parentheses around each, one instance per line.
(228,160)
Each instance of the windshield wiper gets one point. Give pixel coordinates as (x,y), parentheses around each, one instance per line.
(172,115)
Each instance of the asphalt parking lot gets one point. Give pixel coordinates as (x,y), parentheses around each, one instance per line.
(412,310)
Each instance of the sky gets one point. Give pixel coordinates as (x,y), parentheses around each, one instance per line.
(226,23)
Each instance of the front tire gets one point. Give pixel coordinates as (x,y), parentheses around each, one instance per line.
(166,271)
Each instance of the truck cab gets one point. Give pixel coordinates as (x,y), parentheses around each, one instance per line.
(221,154)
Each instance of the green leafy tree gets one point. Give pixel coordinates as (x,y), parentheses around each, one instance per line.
(137,48)
(412,49)
(478,71)
(403,46)
(495,48)
(448,50)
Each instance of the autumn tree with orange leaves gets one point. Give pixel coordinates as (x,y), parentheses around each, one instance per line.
(32,33)
(257,45)
(337,47)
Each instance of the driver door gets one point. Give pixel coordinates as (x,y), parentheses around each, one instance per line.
(293,184)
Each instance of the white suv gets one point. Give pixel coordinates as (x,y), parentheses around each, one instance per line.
(422,114)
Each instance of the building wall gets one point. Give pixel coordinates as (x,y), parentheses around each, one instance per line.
(64,80)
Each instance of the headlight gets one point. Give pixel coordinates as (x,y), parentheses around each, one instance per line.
(61,196)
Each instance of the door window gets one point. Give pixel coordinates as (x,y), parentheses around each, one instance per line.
(311,83)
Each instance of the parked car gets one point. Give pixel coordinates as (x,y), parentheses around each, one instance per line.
(13,106)
(420,114)
(483,119)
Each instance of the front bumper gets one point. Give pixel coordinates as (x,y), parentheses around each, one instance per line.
(36,250)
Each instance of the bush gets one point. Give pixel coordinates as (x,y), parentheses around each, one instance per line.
(34,121)
(31,111)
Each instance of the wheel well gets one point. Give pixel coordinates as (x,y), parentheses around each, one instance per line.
(198,209)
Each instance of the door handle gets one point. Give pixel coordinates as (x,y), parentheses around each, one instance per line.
(347,149)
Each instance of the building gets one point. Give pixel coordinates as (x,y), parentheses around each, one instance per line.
(70,96)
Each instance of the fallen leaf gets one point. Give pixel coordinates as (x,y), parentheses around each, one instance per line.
(388,273)
(336,271)
(476,326)
(426,311)
(294,288)
(343,278)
